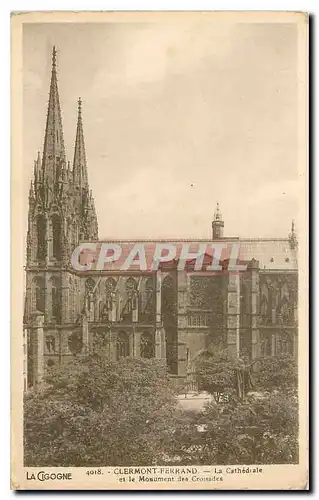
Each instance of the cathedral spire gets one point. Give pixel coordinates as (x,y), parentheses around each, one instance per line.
(217,214)
(218,224)
(292,236)
(88,226)
(53,150)
(79,162)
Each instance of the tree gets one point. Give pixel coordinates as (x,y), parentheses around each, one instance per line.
(259,430)
(244,427)
(223,377)
(277,373)
(93,412)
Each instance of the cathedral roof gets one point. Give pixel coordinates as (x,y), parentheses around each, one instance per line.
(272,254)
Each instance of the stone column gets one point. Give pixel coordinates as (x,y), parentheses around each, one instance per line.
(37,347)
(159,298)
(134,342)
(233,314)
(85,333)
(48,238)
(47,296)
(182,322)
(163,343)
(65,306)
(91,306)
(255,338)
(30,296)
(160,341)
(273,315)
(112,311)
(273,304)
(137,344)
(135,304)
(273,344)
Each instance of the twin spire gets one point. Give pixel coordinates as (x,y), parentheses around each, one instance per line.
(54,158)
(79,161)
(53,140)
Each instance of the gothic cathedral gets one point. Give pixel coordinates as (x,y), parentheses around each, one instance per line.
(171,314)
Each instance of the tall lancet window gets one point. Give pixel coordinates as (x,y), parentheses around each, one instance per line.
(56,236)
(122,345)
(56,299)
(39,293)
(41,250)
(147,345)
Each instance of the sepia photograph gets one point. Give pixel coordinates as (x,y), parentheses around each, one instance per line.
(159,250)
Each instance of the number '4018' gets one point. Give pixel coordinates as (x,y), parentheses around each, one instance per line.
(93,472)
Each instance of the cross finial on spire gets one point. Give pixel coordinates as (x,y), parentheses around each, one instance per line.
(292,236)
(79,106)
(217,224)
(217,215)
(54,57)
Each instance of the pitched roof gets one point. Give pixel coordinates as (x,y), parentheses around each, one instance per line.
(272,254)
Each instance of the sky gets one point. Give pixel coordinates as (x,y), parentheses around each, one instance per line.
(176,116)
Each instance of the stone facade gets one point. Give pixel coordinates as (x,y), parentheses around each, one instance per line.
(170,314)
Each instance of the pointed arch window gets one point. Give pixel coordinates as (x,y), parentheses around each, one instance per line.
(41,250)
(243,304)
(147,347)
(148,298)
(131,294)
(122,345)
(56,299)
(56,236)
(285,309)
(110,285)
(39,294)
(101,306)
(284,292)
(264,306)
(168,297)
(50,343)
